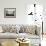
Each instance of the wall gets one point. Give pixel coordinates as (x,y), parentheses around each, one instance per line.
(20,5)
(20,10)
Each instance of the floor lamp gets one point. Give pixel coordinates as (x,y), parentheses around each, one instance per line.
(42,26)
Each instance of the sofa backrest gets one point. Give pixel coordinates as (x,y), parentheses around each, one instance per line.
(20,28)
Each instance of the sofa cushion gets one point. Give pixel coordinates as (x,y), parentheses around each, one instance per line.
(9,28)
(30,29)
(21,29)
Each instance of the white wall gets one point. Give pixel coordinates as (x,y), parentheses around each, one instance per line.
(20,6)
(20,10)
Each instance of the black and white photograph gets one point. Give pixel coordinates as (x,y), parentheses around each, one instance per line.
(9,12)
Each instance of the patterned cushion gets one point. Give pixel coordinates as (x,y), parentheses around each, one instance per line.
(38,30)
(30,29)
(13,29)
(9,28)
(21,29)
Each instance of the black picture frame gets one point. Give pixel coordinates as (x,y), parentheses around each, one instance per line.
(9,12)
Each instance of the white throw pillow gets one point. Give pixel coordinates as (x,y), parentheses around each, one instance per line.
(1,29)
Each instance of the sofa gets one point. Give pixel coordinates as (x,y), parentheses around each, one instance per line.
(19,31)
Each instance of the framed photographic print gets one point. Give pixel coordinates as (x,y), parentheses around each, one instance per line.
(9,12)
